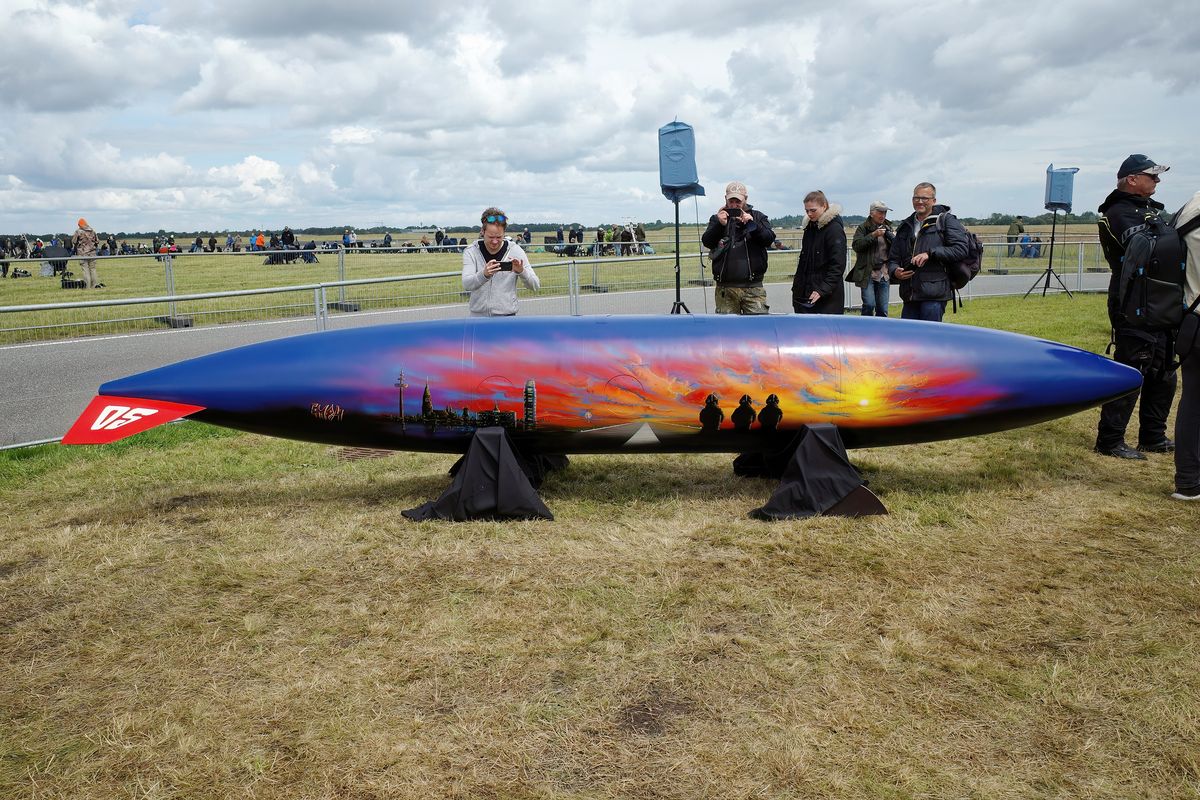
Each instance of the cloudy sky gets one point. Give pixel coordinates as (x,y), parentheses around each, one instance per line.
(213,114)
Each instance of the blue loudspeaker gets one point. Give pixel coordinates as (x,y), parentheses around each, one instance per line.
(677,162)
(1059,184)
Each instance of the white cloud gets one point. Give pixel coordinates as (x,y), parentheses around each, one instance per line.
(353,134)
(243,112)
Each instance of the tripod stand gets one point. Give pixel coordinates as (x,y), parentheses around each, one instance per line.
(679,306)
(1050,267)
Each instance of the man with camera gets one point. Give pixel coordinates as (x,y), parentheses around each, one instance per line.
(1127,208)
(738,237)
(491,268)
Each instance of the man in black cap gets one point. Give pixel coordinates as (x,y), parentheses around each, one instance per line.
(1125,209)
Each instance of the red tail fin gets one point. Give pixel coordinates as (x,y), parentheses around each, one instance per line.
(107,419)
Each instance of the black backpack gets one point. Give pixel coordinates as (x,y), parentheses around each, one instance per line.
(1153,270)
(963,272)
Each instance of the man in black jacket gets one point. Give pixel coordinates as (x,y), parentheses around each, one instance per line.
(738,237)
(1126,208)
(924,246)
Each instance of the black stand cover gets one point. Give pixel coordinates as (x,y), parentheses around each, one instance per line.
(818,479)
(490,482)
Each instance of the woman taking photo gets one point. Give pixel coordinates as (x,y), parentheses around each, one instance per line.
(817,287)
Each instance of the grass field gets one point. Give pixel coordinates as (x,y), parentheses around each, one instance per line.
(145,276)
(196,613)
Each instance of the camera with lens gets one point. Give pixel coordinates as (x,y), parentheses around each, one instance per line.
(735,213)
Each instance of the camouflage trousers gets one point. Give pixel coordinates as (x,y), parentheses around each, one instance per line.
(88,267)
(742,300)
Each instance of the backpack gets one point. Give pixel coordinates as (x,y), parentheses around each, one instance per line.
(962,272)
(1150,289)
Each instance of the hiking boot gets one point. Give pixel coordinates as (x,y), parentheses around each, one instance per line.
(1165,446)
(1187,494)
(1122,450)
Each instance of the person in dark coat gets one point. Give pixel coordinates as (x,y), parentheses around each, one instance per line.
(817,286)
(1130,206)
(737,237)
(921,252)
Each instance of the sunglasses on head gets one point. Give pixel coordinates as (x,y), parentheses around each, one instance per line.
(496,218)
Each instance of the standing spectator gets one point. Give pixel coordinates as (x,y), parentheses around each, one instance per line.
(492,266)
(1187,415)
(738,236)
(1127,207)
(237,243)
(817,286)
(197,246)
(229,242)
(560,234)
(526,236)
(85,243)
(387,239)
(288,239)
(439,236)
(872,242)
(920,254)
(353,238)
(1015,229)
(346,239)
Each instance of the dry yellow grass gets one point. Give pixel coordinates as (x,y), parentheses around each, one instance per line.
(211,615)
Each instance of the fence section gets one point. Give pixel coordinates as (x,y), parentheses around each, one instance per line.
(181,291)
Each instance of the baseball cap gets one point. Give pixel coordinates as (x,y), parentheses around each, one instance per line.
(879,205)
(735,189)
(1139,163)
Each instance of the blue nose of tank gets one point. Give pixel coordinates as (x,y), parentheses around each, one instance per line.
(1077,377)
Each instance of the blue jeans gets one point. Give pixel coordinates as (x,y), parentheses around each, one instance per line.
(931,310)
(875,298)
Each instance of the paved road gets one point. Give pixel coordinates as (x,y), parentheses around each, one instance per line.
(44,387)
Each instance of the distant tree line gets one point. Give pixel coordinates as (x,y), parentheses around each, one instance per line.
(786,221)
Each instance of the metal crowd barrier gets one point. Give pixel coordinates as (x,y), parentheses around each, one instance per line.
(578,285)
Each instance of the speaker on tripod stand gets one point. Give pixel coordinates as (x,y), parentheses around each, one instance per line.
(1059,185)
(678,179)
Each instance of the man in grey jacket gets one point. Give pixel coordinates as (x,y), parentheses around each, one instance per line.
(491,267)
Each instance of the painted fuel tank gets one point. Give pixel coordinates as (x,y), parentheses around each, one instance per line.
(619,384)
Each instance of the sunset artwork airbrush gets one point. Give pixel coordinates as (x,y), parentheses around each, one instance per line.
(619,384)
